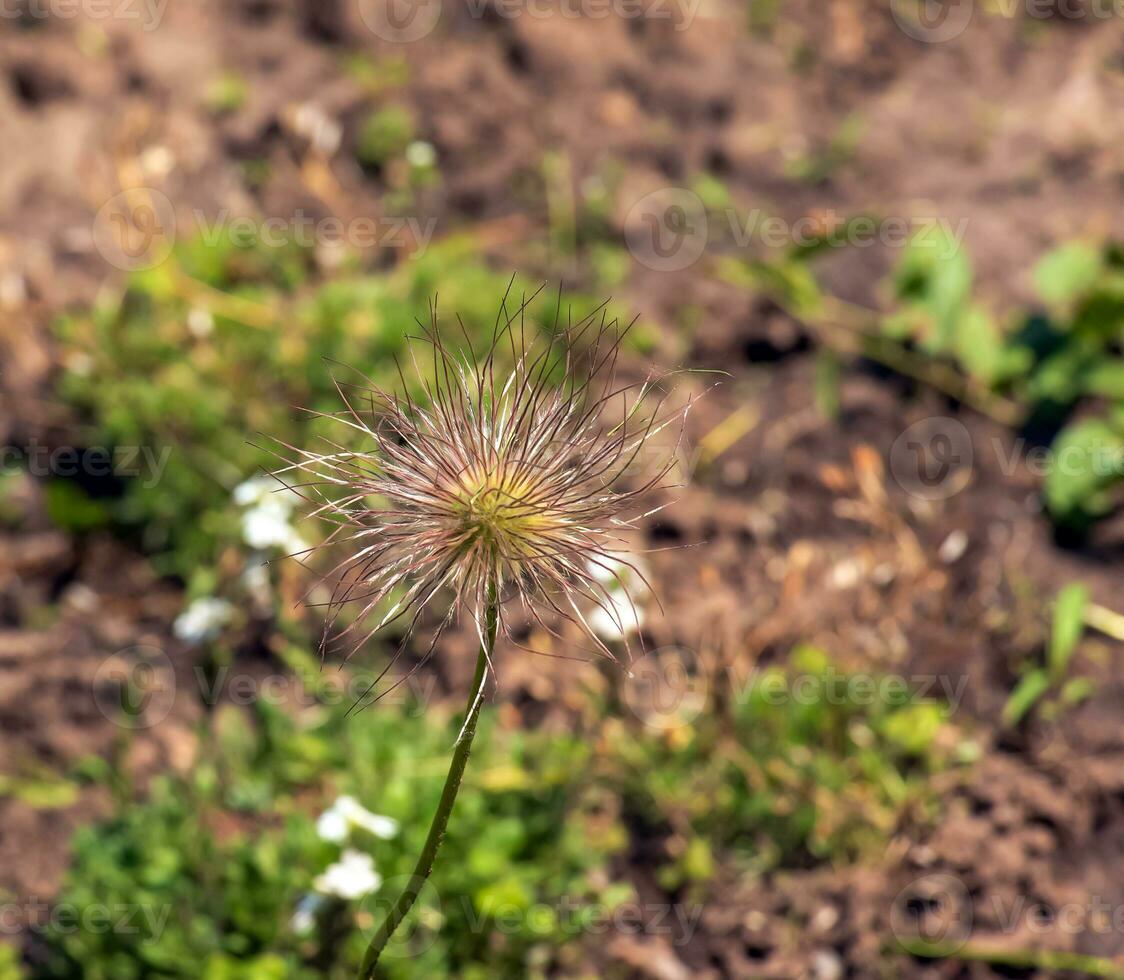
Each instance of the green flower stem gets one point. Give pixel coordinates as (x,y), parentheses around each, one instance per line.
(448,797)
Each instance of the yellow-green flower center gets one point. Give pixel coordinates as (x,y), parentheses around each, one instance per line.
(494,509)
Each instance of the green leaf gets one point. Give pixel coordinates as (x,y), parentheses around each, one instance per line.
(827,382)
(1069,621)
(1067,271)
(1026,694)
(1088,466)
(42,793)
(1076,690)
(792,282)
(698,860)
(383,135)
(1106,378)
(933,280)
(10,968)
(1061,377)
(71,509)
(979,344)
(915,727)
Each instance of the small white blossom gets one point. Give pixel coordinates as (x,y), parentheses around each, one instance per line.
(267,522)
(259,489)
(623,619)
(80,363)
(617,615)
(304,916)
(337,822)
(421,154)
(203,619)
(200,323)
(255,577)
(320,129)
(268,526)
(352,876)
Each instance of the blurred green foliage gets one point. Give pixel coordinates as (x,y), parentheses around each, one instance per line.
(385,134)
(224,352)
(803,764)
(219,860)
(1058,368)
(785,774)
(1054,361)
(1051,676)
(226,93)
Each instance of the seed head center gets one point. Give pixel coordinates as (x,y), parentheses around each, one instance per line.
(495,508)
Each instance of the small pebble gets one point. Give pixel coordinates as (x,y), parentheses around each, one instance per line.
(846,574)
(954,547)
(826,965)
(200,323)
(825,918)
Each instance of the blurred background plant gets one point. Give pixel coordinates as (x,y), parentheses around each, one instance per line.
(286,807)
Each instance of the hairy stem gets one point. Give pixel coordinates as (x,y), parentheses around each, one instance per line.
(448,797)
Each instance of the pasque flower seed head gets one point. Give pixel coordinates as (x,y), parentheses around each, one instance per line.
(512,474)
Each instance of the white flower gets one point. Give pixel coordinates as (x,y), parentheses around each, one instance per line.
(203,619)
(336,823)
(421,154)
(258,489)
(624,618)
(352,876)
(255,577)
(268,521)
(617,616)
(267,526)
(200,323)
(304,916)
(618,573)
(320,129)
